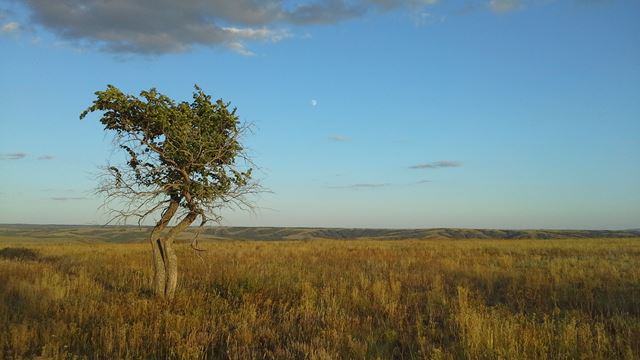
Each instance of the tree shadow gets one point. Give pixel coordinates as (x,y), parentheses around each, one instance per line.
(19,254)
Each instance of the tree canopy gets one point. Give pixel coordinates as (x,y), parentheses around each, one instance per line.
(181,151)
(181,158)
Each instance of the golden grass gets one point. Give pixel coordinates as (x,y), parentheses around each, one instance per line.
(450,299)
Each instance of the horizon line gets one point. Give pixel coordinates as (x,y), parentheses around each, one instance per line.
(632,229)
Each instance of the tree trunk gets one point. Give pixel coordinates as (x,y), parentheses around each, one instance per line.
(170,258)
(159,271)
(158,250)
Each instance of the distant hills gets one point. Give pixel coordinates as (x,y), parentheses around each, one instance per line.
(275,233)
(127,234)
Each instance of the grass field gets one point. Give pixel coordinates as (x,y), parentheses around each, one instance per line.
(326,299)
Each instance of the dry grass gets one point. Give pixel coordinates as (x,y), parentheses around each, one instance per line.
(537,299)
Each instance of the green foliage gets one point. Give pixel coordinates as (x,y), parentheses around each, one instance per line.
(185,151)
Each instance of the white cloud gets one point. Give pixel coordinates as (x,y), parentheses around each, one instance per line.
(10,27)
(314,102)
(240,48)
(258,34)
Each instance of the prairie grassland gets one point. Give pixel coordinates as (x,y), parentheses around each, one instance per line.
(450,299)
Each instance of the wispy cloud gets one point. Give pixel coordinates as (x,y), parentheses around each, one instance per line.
(467,8)
(240,48)
(423,181)
(248,33)
(504,5)
(9,27)
(339,138)
(13,156)
(259,33)
(327,12)
(591,2)
(67,198)
(361,186)
(437,164)
(46,157)
(427,18)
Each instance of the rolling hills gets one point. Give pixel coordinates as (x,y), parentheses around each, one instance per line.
(128,234)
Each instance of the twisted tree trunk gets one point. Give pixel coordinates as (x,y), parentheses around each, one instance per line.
(165,260)
(171,260)
(158,250)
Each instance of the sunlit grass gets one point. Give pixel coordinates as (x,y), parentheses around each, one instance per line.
(450,299)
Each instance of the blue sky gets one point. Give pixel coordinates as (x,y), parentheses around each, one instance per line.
(367,113)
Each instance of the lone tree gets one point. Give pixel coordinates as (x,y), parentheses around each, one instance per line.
(184,161)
